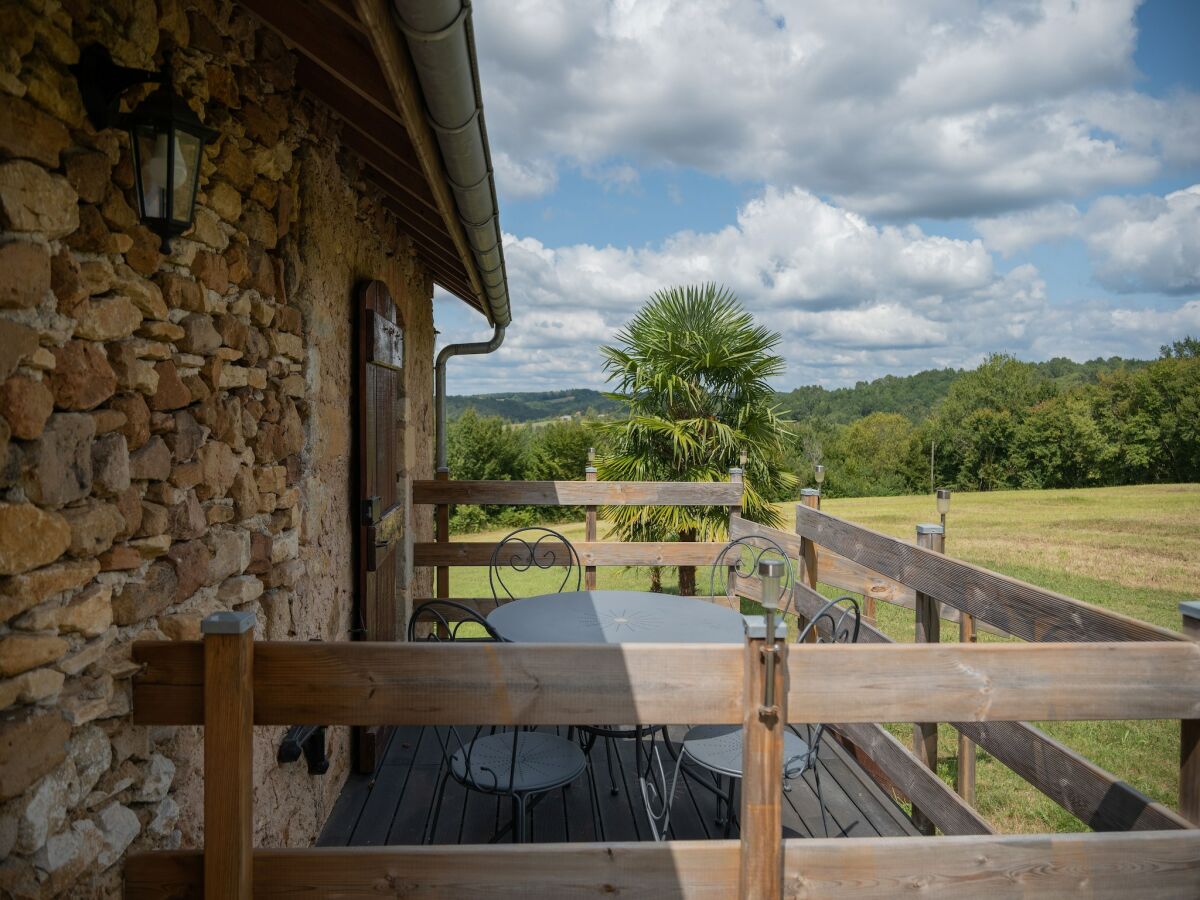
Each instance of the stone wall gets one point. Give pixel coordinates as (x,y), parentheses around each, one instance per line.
(174,430)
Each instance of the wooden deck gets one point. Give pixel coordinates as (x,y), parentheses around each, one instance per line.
(395,806)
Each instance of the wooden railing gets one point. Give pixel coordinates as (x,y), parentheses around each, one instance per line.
(883,569)
(442,553)
(850,557)
(1077,662)
(229,684)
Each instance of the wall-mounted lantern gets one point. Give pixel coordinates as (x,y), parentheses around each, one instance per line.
(166,136)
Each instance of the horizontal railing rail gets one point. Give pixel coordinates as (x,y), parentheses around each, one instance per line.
(1162,865)
(1016,607)
(847,575)
(567,684)
(591,553)
(579,493)
(360,683)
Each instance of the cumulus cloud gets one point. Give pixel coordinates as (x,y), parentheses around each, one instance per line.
(852,299)
(1147,243)
(1014,232)
(1141,243)
(519,180)
(964,109)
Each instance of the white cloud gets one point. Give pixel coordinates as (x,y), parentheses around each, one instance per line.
(850,298)
(518,180)
(1147,243)
(894,109)
(1136,243)
(1018,231)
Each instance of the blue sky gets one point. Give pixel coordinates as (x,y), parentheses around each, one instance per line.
(891,190)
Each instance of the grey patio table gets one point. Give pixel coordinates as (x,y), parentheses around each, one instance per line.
(619,617)
(616,617)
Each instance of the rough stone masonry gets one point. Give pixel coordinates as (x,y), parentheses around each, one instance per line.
(174,429)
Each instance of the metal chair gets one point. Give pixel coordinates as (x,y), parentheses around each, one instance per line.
(532,549)
(539,549)
(740,558)
(519,764)
(717,749)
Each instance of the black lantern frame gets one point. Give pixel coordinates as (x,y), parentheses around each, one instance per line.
(166,137)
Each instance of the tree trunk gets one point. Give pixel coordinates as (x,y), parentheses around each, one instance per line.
(687,574)
(656,579)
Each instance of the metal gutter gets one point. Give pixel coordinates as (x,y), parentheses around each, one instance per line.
(439,370)
(441,44)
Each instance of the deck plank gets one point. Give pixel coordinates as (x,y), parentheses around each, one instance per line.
(395,809)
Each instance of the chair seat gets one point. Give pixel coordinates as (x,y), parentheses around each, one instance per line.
(718,748)
(544,761)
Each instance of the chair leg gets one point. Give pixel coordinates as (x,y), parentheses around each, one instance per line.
(609,748)
(733,783)
(437,806)
(820,800)
(597,816)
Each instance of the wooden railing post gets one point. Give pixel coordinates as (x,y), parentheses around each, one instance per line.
(928,631)
(442,535)
(1189,733)
(807,572)
(228,755)
(964,782)
(761,865)
(731,595)
(589,572)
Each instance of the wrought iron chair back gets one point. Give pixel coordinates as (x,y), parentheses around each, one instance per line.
(740,558)
(448,619)
(529,550)
(837,622)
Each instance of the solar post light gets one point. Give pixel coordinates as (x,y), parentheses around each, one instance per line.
(770,573)
(943,504)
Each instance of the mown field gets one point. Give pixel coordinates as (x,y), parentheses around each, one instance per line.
(1135,550)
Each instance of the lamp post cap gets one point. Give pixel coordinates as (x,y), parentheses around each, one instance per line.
(809,492)
(589,470)
(756,627)
(930,529)
(1190,609)
(770,568)
(227,622)
(735,470)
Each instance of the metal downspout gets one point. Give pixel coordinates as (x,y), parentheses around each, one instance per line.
(439,369)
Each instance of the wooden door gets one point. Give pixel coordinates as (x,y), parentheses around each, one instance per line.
(380,484)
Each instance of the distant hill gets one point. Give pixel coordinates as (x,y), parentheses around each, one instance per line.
(533,406)
(915,396)
(912,396)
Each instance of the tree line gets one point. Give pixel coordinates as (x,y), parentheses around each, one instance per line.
(1010,424)
(1005,425)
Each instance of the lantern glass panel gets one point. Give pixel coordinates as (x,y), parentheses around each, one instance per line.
(187,169)
(150,158)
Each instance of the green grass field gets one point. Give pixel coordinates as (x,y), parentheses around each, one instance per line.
(1134,550)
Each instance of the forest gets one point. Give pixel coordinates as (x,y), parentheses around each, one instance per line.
(1005,424)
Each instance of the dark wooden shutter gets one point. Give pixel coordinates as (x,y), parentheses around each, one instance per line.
(380,481)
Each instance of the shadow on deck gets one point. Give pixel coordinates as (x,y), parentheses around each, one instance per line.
(395,807)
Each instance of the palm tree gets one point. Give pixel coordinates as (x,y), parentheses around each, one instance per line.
(691,369)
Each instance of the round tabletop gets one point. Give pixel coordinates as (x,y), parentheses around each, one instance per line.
(616,617)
